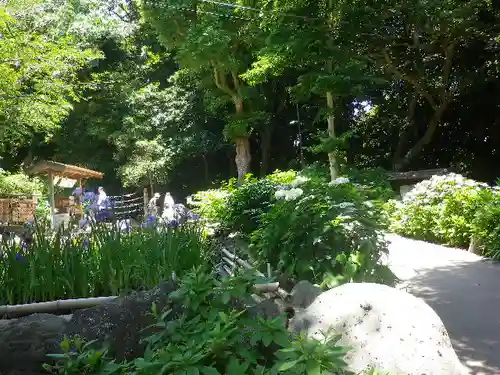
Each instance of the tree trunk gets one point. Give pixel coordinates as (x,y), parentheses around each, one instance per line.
(243,157)
(151,186)
(265,137)
(205,167)
(404,139)
(427,137)
(332,160)
(331,133)
(243,153)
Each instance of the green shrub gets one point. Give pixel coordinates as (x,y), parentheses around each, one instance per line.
(375,182)
(441,209)
(324,233)
(486,224)
(210,203)
(103,262)
(20,183)
(210,336)
(239,208)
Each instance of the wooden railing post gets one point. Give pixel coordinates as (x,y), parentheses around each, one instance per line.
(146,201)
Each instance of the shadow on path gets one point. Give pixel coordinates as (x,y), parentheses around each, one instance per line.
(466,296)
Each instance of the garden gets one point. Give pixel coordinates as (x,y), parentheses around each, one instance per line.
(328,233)
(205,99)
(451,210)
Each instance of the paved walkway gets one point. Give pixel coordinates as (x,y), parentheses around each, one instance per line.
(463,289)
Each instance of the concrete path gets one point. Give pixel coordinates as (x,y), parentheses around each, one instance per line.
(463,289)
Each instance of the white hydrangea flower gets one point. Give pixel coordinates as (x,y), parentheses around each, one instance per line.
(289,195)
(340,181)
(299,180)
(293,194)
(280,194)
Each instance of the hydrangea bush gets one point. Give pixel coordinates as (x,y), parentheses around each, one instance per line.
(238,209)
(486,225)
(324,232)
(442,209)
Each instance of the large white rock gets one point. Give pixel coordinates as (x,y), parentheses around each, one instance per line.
(389,330)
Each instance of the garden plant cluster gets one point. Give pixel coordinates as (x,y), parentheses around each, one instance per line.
(208,336)
(104,261)
(306,227)
(450,210)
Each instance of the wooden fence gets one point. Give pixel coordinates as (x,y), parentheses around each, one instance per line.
(16,209)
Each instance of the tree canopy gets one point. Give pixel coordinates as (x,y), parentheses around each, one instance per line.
(178,93)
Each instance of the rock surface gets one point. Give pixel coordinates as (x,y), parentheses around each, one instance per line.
(121,322)
(304,293)
(389,330)
(25,342)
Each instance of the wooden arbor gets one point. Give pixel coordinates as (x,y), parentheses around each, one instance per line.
(54,170)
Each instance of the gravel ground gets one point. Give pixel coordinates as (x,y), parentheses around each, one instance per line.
(464,289)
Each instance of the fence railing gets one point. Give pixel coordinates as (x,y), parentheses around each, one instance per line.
(127,205)
(231,263)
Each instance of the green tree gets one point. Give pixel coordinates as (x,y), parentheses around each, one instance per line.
(38,80)
(306,36)
(416,43)
(214,42)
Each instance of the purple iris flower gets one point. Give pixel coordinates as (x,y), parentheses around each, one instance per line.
(193,216)
(86,243)
(89,196)
(82,223)
(149,222)
(78,192)
(173,224)
(20,258)
(102,215)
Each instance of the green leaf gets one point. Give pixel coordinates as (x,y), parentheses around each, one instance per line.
(288,365)
(209,371)
(313,367)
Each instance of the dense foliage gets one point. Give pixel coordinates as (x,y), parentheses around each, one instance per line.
(20,183)
(103,262)
(211,336)
(452,210)
(38,77)
(168,92)
(305,227)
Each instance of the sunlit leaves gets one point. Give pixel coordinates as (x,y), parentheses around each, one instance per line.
(37,80)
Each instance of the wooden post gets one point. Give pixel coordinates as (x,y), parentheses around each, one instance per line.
(80,200)
(52,200)
(146,201)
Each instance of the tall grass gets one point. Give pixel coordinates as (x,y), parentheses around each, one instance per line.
(103,262)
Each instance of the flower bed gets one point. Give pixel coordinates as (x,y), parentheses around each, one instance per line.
(450,210)
(305,227)
(103,262)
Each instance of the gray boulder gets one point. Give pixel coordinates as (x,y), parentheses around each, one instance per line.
(121,323)
(25,342)
(389,330)
(304,293)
